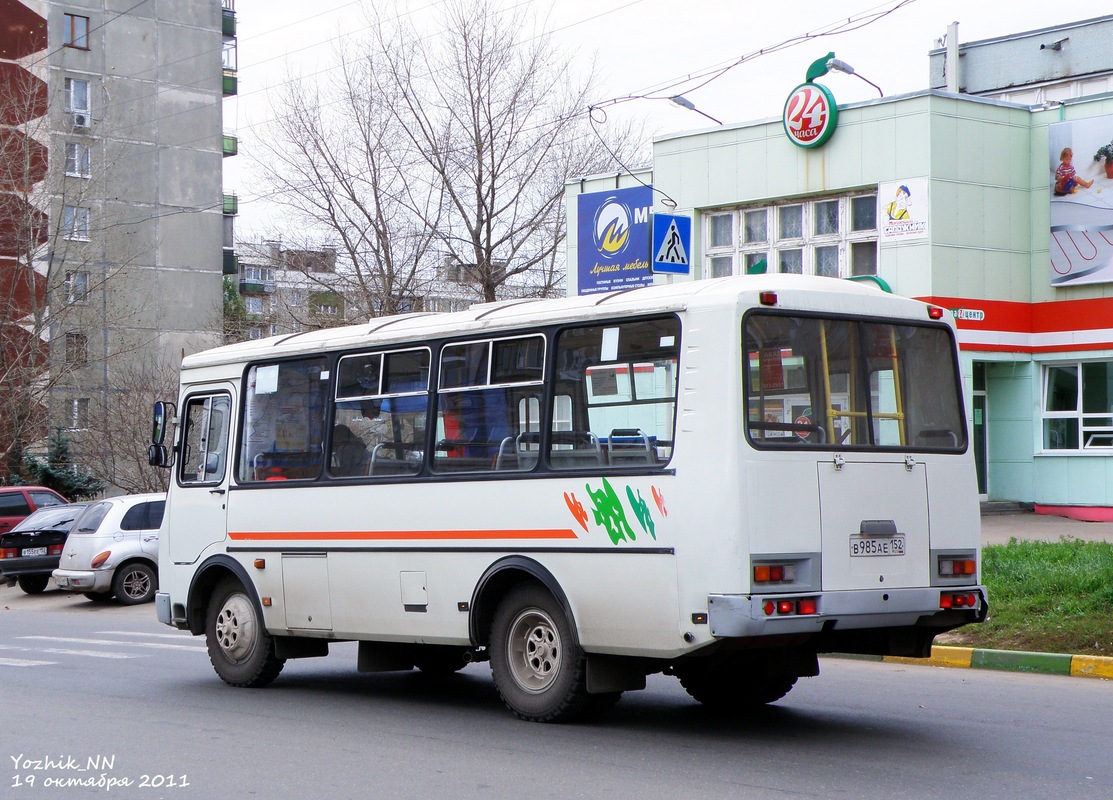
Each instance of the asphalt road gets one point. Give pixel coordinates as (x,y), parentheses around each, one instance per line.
(91,691)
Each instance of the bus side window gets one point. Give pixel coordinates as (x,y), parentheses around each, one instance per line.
(615,398)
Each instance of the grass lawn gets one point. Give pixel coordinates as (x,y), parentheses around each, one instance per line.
(1051,597)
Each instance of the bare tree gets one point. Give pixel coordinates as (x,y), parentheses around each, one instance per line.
(450,148)
(115,445)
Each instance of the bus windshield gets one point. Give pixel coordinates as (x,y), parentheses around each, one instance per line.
(837,383)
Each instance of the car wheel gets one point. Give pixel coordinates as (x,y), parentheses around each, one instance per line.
(135,583)
(33,584)
(538,668)
(240,649)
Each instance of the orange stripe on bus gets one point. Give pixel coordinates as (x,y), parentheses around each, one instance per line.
(273,536)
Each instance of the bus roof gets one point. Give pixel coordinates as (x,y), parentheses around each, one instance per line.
(799,292)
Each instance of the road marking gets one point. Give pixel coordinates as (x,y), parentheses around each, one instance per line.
(91,653)
(24,662)
(157,645)
(183,636)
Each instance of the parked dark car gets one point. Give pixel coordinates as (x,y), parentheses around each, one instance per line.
(16,502)
(30,551)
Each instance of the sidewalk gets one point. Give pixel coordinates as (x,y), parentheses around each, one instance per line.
(999,526)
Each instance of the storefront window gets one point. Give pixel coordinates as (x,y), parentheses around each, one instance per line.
(1078,406)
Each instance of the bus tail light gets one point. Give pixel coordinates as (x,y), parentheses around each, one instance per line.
(935,312)
(767,298)
(957,566)
(100,558)
(949,600)
(802,607)
(774,573)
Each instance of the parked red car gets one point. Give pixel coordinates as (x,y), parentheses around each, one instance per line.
(17,502)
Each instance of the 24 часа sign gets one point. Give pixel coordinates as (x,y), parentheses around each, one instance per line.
(613,241)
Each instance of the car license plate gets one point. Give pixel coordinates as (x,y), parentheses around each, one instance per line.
(864,546)
(34,551)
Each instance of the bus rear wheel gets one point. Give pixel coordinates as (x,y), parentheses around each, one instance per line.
(240,649)
(538,667)
(734,685)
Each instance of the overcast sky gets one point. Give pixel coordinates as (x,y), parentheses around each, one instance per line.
(644,47)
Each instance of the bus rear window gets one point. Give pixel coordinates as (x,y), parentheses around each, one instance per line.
(845,383)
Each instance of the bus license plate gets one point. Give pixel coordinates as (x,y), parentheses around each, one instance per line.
(876,546)
(34,551)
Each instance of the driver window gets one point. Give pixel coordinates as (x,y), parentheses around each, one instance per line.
(204,455)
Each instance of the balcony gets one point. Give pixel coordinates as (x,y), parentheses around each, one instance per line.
(230,83)
(231,262)
(231,204)
(229,145)
(255,286)
(228,20)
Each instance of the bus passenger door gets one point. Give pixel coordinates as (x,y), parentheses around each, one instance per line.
(198,501)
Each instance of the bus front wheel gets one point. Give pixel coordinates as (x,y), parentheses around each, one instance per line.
(538,668)
(240,649)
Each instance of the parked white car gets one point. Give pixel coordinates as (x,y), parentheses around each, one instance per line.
(113,550)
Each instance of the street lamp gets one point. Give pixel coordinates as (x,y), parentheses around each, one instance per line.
(684,102)
(838,65)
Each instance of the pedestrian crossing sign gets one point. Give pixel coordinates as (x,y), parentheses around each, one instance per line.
(672,243)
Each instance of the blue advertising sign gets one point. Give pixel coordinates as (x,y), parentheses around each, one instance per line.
(672,242)
(613,240)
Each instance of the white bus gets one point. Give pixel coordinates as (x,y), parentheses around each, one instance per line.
(717,480)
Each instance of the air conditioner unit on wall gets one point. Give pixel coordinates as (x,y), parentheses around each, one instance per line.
(82,119)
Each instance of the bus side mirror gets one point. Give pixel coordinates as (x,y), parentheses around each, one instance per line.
(158,456)
(163,413)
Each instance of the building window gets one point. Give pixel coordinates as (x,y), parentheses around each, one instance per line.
(77,160)
(326,310)
(77,287)
(75,223)
(258,274)
(1078,406)
(77,349)
(831,236)
(77,31)
(79,414)
(254,305)
(77,102)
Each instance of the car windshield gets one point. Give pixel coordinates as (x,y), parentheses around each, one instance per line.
(91,519)
(52,518)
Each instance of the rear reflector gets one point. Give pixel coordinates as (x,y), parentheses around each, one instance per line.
(958,600)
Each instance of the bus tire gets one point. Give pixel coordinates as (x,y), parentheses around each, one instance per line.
(240,649)
(538,667)
(733,685)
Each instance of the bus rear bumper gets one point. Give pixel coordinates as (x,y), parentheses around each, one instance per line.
(731,616)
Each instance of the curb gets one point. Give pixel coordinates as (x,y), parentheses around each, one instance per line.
(1010,660)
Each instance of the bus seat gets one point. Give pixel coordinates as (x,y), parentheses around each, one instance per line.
(629,446)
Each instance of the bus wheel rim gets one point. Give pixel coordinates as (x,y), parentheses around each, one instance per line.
(235,627)
(534,651)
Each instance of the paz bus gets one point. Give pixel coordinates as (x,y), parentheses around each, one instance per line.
(718,480)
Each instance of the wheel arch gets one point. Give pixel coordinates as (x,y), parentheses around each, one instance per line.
(207,576)
(498,579)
